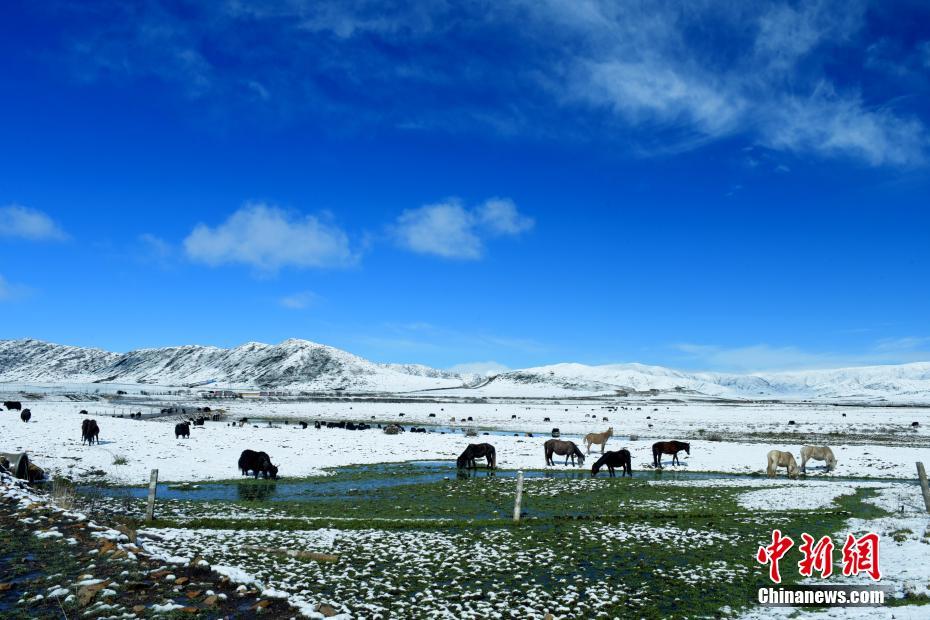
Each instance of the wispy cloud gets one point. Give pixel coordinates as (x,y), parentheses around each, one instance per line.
(451,230)
(479,368)
(652,75)
(764,357)
(421,338)
(10,291)
(299,301)
(906,343)
(667,78)
(4,289)
(153,249)
(268,238)
(30,224)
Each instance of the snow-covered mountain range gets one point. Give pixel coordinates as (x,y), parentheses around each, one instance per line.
(896,383)
(294,364)
(303,365)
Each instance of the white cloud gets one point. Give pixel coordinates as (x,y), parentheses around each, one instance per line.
(640,64)
(10,291)
(268,238)
(299,301)
(841,126)
(445,229)
(5,291)
(479,368)
(764,357)
(26,223)
(500,215)
(154,249)
(906,343)
(450,230)
(644,91)
(679,74)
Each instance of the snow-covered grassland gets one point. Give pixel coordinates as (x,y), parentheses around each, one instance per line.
(653,547)
(868,442)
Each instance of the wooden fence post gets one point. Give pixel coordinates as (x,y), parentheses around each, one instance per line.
(153,484)
(519,499)
(924,488)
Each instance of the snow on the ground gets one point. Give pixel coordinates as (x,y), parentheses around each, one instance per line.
(904,555)
(53,438)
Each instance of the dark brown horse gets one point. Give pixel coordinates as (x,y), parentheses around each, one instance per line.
(668,447)
(474,451)
(619,458)
(568,449)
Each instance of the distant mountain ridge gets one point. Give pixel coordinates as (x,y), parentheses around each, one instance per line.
(305,365)
(299,364)
(904,382)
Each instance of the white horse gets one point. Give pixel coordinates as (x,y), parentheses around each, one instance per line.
(817,453)
(777,459)
(598,438)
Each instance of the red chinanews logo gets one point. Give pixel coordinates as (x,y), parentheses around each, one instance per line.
(860,555)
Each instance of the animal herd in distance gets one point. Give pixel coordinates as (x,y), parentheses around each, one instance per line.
(259,463)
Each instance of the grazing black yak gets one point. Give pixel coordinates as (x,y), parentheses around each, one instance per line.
(25,415)
(303,425)
(182,430)
(90,432)
(258,463)
(13,404)
(199,421)
(619,458)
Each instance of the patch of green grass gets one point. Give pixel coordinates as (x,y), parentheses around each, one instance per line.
(678,578)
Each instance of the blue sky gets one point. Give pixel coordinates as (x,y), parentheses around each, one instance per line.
(733,186)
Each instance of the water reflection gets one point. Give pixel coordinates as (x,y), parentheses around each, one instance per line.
(464,474)
(256,492)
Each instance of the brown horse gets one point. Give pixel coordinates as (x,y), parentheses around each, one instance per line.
(668,447)
(474,451)
(598,438)
(568,449)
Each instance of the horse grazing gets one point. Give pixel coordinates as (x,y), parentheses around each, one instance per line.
(598,438)
(777,458)
(25,415)
(817,453)
(182,430)
(90,432)
(474,451)
(618,458)
(568,449)
(258,463)
(668,447)
(13,404)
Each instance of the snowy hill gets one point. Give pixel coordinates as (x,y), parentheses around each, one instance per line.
(300,364)
(905,382)
(296,364)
